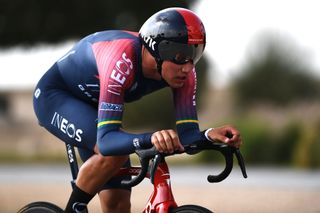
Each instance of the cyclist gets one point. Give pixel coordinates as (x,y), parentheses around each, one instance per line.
(80,99)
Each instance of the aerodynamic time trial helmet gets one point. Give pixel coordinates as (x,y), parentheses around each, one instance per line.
(174,34)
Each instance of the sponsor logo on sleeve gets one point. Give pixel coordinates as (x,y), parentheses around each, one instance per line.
(121,70)
(136,143)
(104,106)
(195,88)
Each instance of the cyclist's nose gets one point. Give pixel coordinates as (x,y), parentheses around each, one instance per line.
(187,67)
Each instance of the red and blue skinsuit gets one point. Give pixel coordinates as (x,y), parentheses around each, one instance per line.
(80,99)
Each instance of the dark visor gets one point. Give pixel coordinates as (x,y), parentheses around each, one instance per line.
(180,53)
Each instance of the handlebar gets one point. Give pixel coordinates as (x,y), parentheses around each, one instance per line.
(145,155)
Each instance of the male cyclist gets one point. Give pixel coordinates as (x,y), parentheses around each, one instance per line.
(80,99)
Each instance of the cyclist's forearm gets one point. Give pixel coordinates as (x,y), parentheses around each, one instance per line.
(122,143)
(190,134)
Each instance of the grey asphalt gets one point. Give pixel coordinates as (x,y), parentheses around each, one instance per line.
(189,175)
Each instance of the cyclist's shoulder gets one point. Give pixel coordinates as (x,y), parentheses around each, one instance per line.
(108,41)
(113,44)
(111,35)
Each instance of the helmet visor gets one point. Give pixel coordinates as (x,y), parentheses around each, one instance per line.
(180,53)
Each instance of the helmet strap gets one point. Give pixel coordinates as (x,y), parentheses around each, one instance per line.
(159,65)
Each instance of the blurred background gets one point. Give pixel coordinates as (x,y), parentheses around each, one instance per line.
(260,72)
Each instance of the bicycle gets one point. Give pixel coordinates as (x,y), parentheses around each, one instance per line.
(154,167)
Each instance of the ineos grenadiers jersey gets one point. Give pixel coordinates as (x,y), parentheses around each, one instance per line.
(104,69)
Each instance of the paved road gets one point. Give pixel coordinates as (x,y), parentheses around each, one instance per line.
(266,176)
(265,190)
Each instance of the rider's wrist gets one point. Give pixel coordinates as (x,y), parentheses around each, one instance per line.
(142,141)
(206,134)
(146,142)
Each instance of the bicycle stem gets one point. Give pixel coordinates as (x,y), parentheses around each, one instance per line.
(162,199)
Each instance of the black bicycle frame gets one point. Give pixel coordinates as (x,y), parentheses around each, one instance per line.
(72,159)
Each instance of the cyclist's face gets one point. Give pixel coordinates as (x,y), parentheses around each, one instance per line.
(176,74)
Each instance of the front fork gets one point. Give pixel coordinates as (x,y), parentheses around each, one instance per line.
(161,200)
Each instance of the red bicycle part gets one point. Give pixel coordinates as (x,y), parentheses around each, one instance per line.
(161,200)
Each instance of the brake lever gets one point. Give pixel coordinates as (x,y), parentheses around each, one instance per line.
(241,162)
(144,157)
(239,158)
(154,165)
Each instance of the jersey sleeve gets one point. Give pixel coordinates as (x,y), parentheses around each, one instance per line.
(115,61)
(186,113)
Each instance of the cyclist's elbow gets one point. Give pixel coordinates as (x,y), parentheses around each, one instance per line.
(110,146)
(103,148)
(106,150)
(115,143)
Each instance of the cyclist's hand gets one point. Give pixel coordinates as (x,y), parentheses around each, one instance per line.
(166,141)
(226,134)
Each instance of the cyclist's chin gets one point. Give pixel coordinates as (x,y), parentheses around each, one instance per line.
(174,82)
(176,85)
